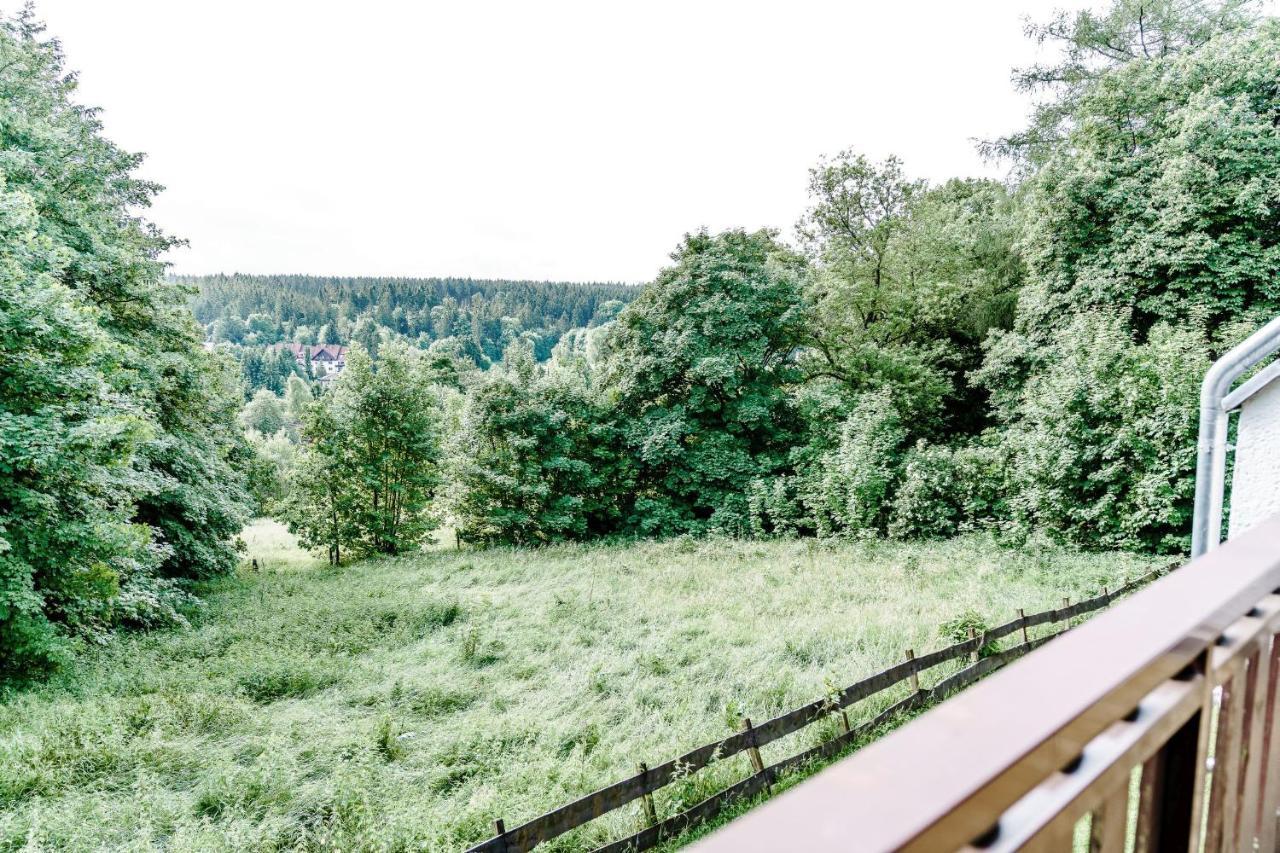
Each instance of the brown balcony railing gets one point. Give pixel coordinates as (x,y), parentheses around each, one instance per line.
(1151,727)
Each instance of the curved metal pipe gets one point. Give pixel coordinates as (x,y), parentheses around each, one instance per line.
(1211,452)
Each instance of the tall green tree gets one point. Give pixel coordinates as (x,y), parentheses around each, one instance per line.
(909,279)
(320,505)
(699,366)
(265,413)
(535,459)
(121,458)
(1156,210)
(389,413)
(1092,43)
(370,467)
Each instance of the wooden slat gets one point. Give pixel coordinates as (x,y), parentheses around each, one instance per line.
(1250,788)
(1105,764)
(1226,766)
(1150,788)
(1110,820)
(1269,797)
(1199,769)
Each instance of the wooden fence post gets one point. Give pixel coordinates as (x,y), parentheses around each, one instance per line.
(650,813)
(1066,620)
(915,676)
(973,635)
(500,830)
(255,565)
(752,752)
(1022,614)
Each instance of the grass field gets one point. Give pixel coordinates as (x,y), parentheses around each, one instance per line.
(404,704)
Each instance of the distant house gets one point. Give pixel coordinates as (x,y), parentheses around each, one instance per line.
(327,360)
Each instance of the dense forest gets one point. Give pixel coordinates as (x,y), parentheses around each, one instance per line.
(922,359)
(476,319)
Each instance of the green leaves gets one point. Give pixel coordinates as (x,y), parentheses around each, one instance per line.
(534,460)
(701,363)
(118,449)
(1151,239)
(370,467)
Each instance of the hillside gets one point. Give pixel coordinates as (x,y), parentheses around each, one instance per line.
(483,314)
(409,702)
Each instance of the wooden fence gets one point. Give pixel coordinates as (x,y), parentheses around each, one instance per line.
(752,736)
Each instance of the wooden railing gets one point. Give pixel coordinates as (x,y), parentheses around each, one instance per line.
(1151,727)
(979,652)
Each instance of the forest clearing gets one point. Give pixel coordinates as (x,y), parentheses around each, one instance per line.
(405,703)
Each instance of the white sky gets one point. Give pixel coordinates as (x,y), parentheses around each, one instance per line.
(545,140)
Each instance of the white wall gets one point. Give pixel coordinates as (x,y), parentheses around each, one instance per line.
(1255,484)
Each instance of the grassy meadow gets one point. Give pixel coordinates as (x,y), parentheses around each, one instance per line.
(405,704)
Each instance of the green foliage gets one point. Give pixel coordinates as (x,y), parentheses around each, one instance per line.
(909,280)
(1204,154)
(369,469)
(1102,442)
(389,418)
(699,365)
(848,489)
(1093,43)
(959,629)
(531,462)
(270,470)
(320,502)
(265,413)
(287,679)
(1151,241)
(945,490)
(195,496)
(475,319)
(119,459)
(297,397)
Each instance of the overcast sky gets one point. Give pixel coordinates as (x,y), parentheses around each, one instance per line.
(545,140)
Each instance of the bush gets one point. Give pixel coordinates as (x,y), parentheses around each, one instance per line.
(849,487)
(944,491)
(957,631)
(286,679)
(1102,446)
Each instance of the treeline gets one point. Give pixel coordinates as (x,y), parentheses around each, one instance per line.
(927,359)
(475,319)
(121,468)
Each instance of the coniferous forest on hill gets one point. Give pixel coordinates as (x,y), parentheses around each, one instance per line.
(478,318)
(964,393)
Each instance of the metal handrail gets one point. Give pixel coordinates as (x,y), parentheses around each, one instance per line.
(1211,452)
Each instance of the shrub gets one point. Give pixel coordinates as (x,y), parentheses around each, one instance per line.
(957,631)
(274,681)
(943,491)
(848,488)
(927,502)
(1102,446)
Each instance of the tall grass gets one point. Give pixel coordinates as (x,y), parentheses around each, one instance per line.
(405,704)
